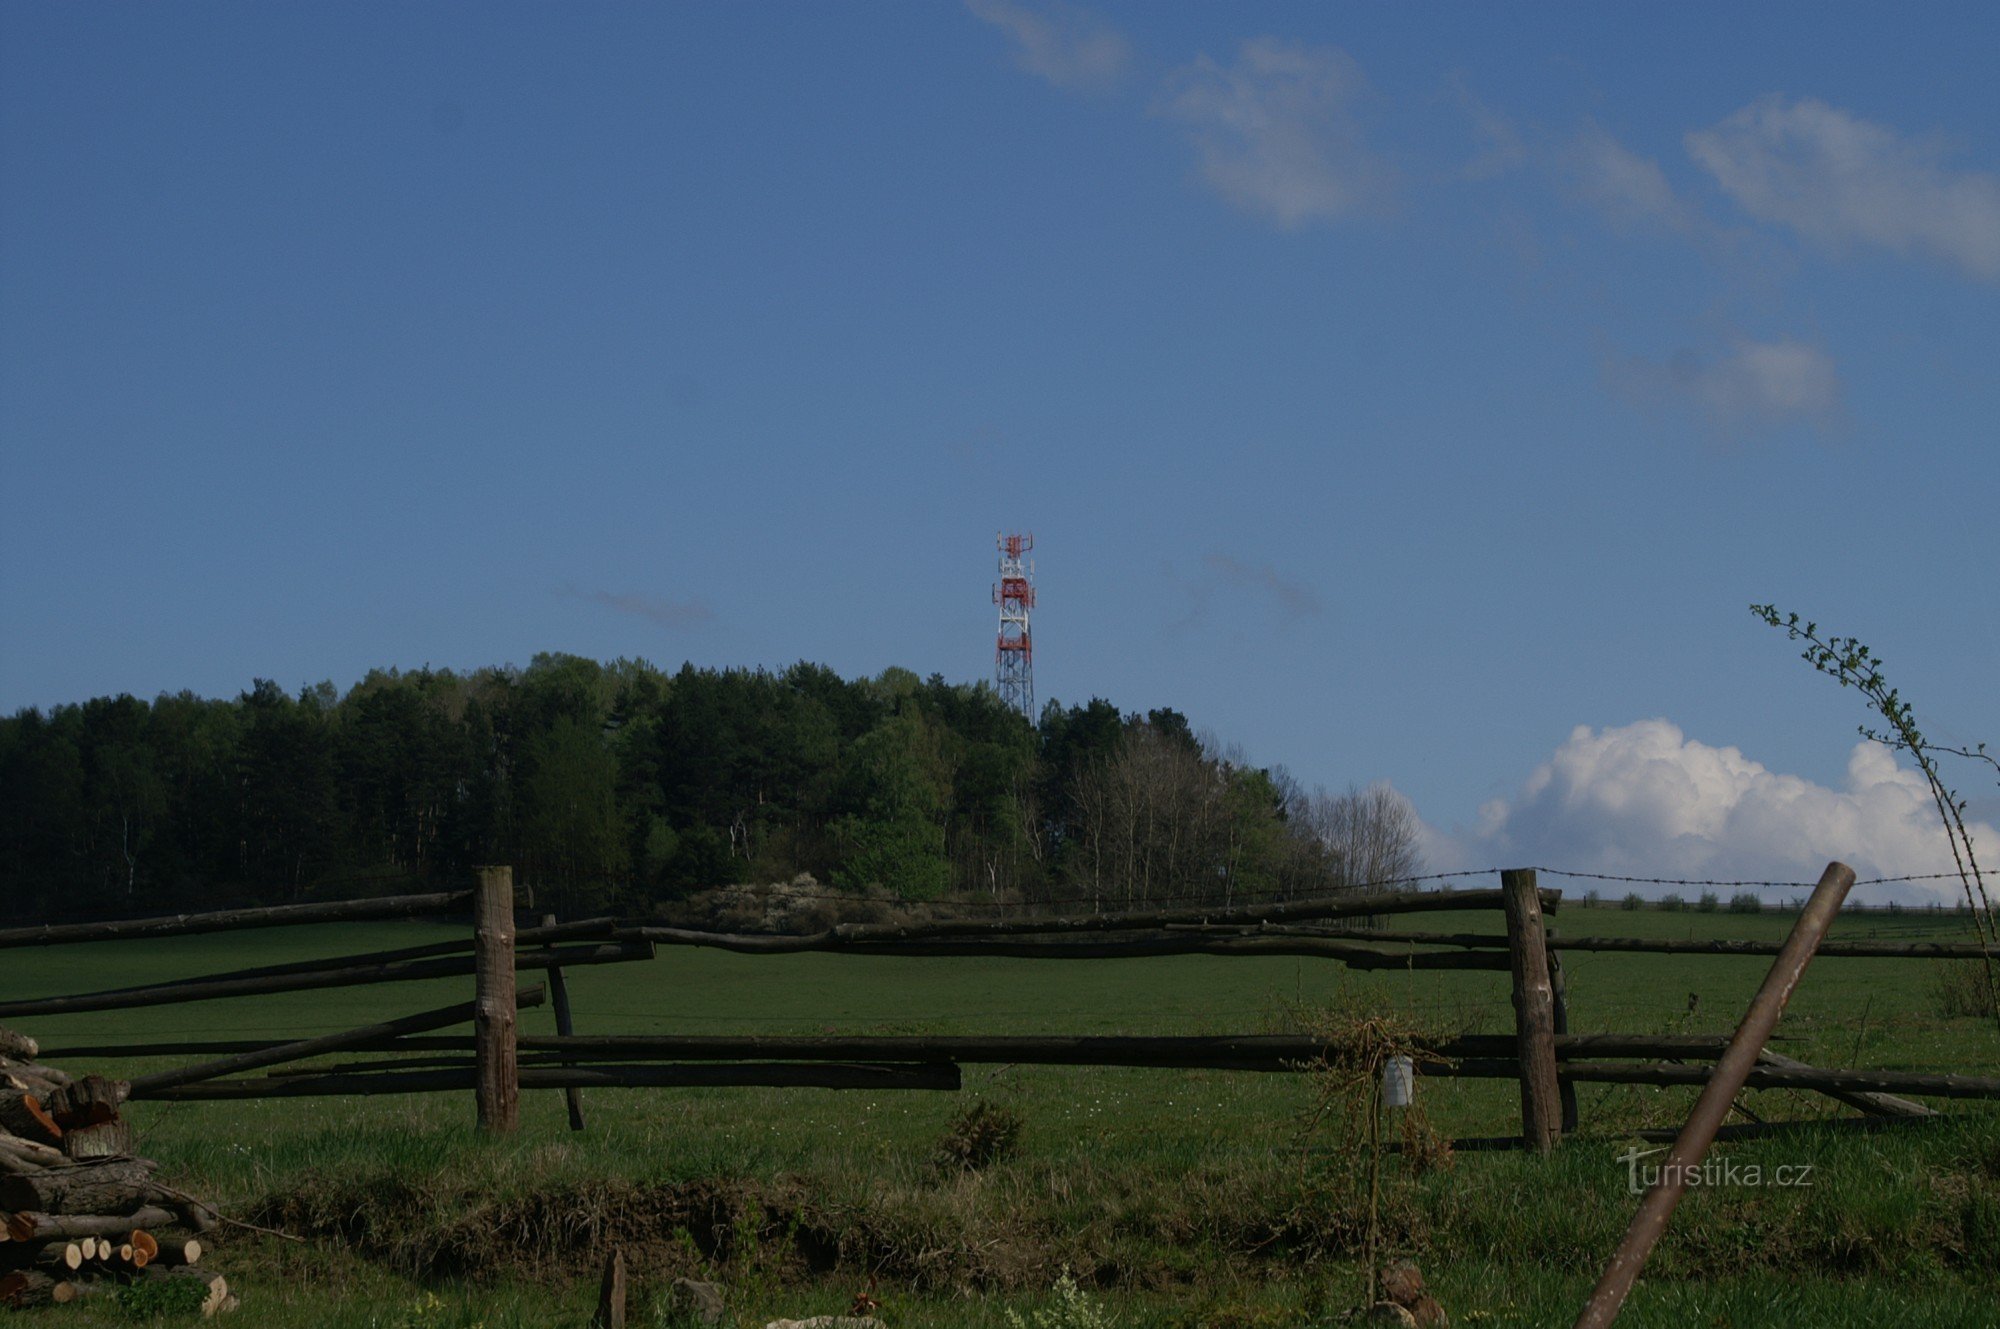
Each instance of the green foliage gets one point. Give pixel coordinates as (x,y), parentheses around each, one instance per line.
(162,1298)
(1959,987)
(1709,902)
(1673,902)
(1745,902)
(619,785)
(1070,1308)
(1850,663)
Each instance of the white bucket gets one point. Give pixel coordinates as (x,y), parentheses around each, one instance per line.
(1399,1076)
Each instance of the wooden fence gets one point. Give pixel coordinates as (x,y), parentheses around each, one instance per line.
(1542,1054)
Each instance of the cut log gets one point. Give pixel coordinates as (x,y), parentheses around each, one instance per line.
(26,1287)
(27,1068)
(57,1257)
(18,1047)
(145,1246)
(102,1186)
(22,1114)
(92,1248)
(175,1252)
(33,1226)
(91,1101)
(106,1139)
(19,1155)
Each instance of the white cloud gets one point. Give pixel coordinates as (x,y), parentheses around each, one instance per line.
(1275,134)
(1067,47)
(1840,180)
(1646,800)
(1627,188)
(1753,386)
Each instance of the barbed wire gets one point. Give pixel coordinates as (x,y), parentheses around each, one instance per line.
(1690,881)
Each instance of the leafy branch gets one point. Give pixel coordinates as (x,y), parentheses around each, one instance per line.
(1850,663)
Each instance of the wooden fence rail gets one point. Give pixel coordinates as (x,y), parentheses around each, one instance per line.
(230,920)
(409,1056)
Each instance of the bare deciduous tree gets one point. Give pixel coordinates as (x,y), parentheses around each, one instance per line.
(1369,836)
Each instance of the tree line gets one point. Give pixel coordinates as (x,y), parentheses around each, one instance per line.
(621,786)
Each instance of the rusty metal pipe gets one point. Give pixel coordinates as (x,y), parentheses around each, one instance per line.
(1733,1068)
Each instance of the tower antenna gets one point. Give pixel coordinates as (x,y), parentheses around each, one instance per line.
(1014,656)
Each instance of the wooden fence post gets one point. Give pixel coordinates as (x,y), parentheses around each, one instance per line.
(1559,987)
(497,1079)
(1534,1010)
(565,1027)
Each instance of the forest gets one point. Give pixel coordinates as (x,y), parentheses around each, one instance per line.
(621,786)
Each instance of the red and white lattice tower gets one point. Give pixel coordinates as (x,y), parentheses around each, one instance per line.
(1014,656)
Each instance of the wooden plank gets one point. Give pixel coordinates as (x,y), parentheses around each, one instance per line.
(942,1075)
(1875,1105)
(400,971)
(1878,950)
(1719,1090)
(1780,1077)
(1358,955)
(581,930)
(559,990)
(229,920)
(144,1086)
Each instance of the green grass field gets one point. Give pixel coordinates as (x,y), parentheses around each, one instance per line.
(1184,1198)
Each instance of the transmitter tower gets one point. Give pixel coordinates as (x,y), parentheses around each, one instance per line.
(1014,654)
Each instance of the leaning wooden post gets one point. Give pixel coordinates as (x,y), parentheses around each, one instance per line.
(566,1027)
(1534,1010)
(1724,1083)
(497,1078)
(1559,986)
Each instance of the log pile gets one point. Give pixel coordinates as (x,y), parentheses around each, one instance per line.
(80,1216)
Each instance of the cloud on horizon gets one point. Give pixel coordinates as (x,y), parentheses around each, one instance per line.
(1066,47)
(1841,181)
(1753,386)
(1275,132)
(1646,800)
(669,614)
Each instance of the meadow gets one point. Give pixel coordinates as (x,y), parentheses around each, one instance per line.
(1178,1198)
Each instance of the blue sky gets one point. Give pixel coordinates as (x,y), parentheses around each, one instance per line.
(1393,389)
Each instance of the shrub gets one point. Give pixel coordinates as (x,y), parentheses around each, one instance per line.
(1745,902)
(1960,988)
(980,1133)
(1592,898)
(1632,900)
(1709,902)
(1672,902)
(1073,1309)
